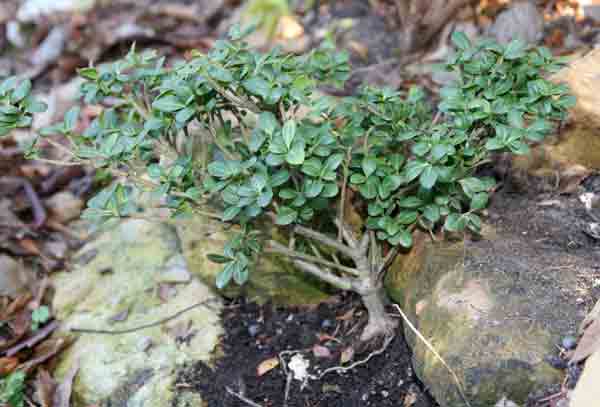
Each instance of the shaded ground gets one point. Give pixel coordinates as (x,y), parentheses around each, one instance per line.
(255,334)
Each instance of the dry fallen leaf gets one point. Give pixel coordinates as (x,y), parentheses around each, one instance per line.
(347,355)
(360,49)
(289,28)
(45,387)
(8,365)
(266,366)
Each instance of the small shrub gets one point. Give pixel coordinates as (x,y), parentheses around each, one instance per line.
(272,148)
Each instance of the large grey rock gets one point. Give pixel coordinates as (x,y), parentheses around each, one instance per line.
(120,281)
(493,308)
(522,20)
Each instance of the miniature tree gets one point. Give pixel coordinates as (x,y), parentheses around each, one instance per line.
(277,151)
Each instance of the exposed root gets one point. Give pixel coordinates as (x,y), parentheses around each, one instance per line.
(379,323)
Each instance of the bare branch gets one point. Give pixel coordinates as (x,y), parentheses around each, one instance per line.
(278,248)
(341,208)
(346,233)
(339,282)
(326,240)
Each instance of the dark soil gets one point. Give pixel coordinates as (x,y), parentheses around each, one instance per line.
(256,333)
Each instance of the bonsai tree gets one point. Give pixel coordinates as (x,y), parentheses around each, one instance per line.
(246,138)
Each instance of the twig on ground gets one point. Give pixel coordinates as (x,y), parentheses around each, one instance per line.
(138,328)
(34,340)
(435,353)
(242,398)
(343,369)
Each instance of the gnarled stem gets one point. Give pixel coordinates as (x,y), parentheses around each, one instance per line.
(364,278)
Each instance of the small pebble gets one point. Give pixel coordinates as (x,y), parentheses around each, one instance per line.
(253,330)
(556,362)
(385,393)
(569,342)
(327,323)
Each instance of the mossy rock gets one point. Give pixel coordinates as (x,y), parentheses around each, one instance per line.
(272,278)
(492,308)
(578,144)
(119,274)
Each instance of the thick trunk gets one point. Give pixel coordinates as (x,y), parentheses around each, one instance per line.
(379,323)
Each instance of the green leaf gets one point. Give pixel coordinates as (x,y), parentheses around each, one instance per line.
(357,178)
(218,169)
(472,185)
(410,202)
(330,190)
(71,118)
(88,73)
(257,139)
(312,167)
(280,178)
(420,149)
(429,177)
(454,222)
(168,104)
(460,40)
(413,169)
(287,193)
(473,222)
(219,259)
(40,315)
(265,198)
(267,122)
(333,162)
(289,132)
(184,115)
(404,238)
(231,213)
(494,144)
(407,217)
(312,188)
(286,215)
(439,151)
(479,201)
(257,86)
(296,154)
(369,165)
(258,182)
(224,277)
(432,213)
(220,74)
(369,188)
(515,49)
(21,91)
(515,119)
